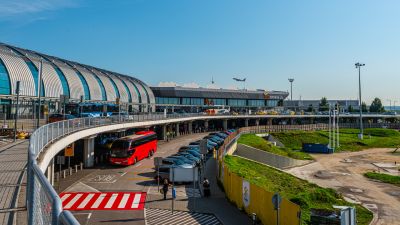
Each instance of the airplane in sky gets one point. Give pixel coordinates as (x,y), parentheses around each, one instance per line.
(240,80)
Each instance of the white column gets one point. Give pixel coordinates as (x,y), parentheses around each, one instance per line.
(246,122)
(225,124)
(190,127)
(88,152)
(205,125)
(177,129)
(50,172)
(164,132)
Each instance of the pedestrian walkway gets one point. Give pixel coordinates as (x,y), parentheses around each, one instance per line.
(74,201)
(165,217)
(13,160)
(216,204)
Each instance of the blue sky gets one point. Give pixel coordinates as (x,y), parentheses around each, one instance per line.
(189,41)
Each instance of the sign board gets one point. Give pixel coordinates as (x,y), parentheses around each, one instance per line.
(246,193)
(158,161)
(45,109)
(276,200)
(203,147)
(173,193)
(69,150)
(60,160)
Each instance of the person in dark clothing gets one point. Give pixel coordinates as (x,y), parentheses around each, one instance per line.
(206,187)
(165,188)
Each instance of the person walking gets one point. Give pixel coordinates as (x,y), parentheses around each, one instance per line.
(206,187)
(165,188)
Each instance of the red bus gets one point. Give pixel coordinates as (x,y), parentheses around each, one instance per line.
(131,149)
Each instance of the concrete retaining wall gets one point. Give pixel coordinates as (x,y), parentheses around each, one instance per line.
(261,156)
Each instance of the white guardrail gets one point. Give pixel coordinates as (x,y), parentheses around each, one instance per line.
(43,203)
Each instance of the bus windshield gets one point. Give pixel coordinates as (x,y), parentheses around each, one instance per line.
(120,149)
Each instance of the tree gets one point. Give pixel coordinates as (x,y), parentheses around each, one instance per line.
(376,106)
(310,108)
(323,105)
(364,107)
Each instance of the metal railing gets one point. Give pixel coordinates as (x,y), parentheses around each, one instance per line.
(44,205)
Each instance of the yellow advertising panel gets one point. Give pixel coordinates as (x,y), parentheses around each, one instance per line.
(69,150)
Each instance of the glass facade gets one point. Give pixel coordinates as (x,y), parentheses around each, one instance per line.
(192,101)
(215,101)
(256,103)
(272,103)
(172,101)
(64,82)
(85,85)
(237,102)
(5,88)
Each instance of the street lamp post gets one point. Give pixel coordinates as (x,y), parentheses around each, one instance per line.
(390,104)
(291,90)
(358,66)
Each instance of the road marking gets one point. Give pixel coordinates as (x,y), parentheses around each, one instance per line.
(98,201)
(162,216)
(123,174)
(123,201)
(136,201)
(111,201)
(85,202)
(72,202)
(139,178)
(64,197)
(76,201)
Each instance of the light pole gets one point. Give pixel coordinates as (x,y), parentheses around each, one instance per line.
(358,66)
(390,104)
(291,88)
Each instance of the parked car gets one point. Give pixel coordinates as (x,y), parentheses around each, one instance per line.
(184,159)
(175,162)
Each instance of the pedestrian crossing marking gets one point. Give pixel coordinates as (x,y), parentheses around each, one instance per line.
(75,201)
(163,216)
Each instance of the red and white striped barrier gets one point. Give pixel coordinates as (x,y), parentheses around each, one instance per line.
(103,201)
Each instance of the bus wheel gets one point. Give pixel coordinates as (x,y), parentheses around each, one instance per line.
(149,155)
(152,152)
(134,161)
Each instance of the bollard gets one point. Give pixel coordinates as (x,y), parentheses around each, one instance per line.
(76,168)
(81,166)
(64,173)
(70,171)
(254,218)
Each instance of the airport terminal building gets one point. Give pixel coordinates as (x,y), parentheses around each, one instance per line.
(76,81)
(197,99)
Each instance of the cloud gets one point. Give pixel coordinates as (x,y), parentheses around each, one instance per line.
(14,9)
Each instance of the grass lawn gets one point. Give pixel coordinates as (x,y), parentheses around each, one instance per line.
(301,192)
(386,178)
(262,144)
(373,138)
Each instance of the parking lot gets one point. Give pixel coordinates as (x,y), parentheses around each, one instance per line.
(135,178)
